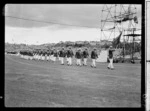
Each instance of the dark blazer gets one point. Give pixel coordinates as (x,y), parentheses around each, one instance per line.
(78,55)
(70,53)
(110,54)
(62,53)
(85,54)
(55,54)
(94,55)
(52,52)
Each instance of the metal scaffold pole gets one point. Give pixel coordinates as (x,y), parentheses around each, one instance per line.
(117,19)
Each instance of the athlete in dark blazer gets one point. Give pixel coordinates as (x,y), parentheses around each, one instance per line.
(110,57)
(62,55)
(94,56)
(85,56)
(78,57)
(69,56)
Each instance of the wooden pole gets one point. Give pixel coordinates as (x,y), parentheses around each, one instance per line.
(124,47)
(133,46)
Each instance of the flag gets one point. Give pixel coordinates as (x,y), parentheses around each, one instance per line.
(116,41)
(111,28)
(135,20)
(125,18)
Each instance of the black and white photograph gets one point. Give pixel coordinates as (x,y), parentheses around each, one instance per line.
(73,55)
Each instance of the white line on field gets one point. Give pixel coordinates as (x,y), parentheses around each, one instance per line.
(69,69)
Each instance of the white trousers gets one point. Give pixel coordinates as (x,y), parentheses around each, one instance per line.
(59,58)
(62,60)
(43,58)
(85,60)
(69,61)
(30,57)
(110,65)
(94,62)
(79,62)
(18,54)
(54,58)
(38,57)
(35,56)
(26,57)
(47,58)
(21,56)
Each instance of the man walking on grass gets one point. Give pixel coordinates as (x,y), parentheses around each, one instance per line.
(55,55)
(51,54)
(69,56)
(85,56)
(78,57)
(94,56)
(62,55)
(110,57)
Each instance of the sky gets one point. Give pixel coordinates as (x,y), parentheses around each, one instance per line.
(88,16)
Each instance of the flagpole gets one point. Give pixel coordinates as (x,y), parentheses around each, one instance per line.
(124,47)
(133,47)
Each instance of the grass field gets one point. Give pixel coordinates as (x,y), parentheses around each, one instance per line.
(44,84)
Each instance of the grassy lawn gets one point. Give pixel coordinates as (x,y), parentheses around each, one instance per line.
(44,84)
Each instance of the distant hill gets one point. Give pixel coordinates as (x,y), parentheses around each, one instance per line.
(90,44)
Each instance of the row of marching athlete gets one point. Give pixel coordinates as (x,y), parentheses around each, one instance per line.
(80,55)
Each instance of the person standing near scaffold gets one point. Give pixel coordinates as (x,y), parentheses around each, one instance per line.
(78,57)
(94,56)
(69,56)
(62,55)
(55,55)
(110,57)
(52,54)
(85,56)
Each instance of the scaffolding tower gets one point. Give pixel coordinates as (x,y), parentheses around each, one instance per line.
(118,19)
